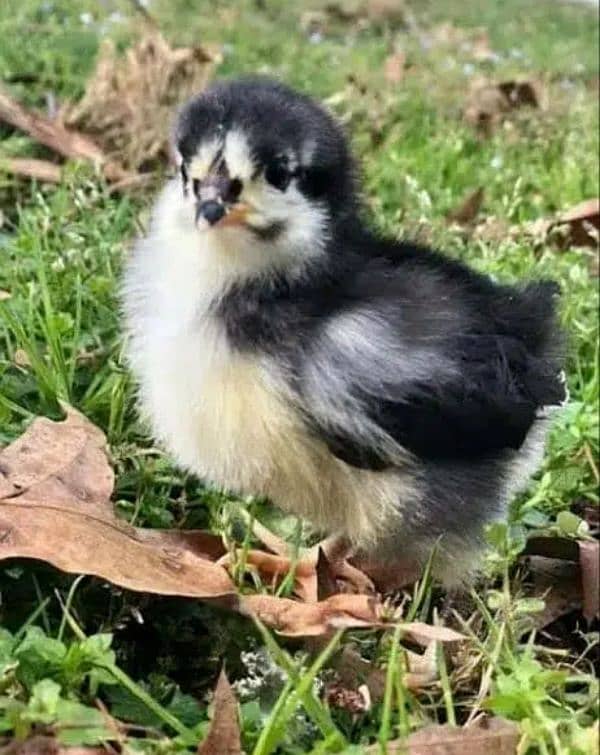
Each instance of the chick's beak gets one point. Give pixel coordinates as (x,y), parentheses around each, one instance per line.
(215,205)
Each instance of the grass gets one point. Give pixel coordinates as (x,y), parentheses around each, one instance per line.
(62,251)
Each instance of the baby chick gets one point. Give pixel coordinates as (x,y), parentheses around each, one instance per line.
(391,395)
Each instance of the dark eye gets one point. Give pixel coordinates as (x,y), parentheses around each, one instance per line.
(233,190)
(278,174)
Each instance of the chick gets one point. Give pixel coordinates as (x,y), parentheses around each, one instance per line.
(390,395)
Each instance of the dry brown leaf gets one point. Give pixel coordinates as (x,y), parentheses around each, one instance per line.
(41,170)
(393,68)
(558,582)
(589,560)
(129,100)
(583,222)
(55,488)
(585,553)
(223,736)
(374,11)
(468,209)
(489,103)
(325,575)
(294,619)
(41,744)
(551,546)
(492,736)
(424,634)
(353,671)
(50,132)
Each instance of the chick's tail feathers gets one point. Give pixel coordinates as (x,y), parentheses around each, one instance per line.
(533,315)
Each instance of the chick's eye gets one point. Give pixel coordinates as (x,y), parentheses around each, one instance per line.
(278,175)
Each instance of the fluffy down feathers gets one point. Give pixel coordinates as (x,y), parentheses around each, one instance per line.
(378,388)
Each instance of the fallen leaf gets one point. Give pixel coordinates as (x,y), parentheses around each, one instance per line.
(294,619)
(558,583)
(424,634)
(55,488)
(589,512)
(468,209)
(223,736)
(489,736)
(520,93)
(586,553)
(353,671)
(589,560)
(393,68)
(325,575)
(129,99)
(53,134)
(41,170)
(374,11)
(552,547)
(583,223)
(488,103)
(45,745)
(389,11)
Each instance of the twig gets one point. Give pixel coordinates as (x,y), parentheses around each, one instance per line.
(51,133)
(42,170)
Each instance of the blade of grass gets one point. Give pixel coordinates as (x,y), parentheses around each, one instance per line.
(312,705)
(135,690)
(273,730)
(385,728)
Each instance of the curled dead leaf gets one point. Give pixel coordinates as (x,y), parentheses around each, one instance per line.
(41,170)
(468,209)
(294,619)
(55,490)
(488,735)
(53,134)
(129,99)
(41,744)
(489,103)
(558,583)
(583,223)
(223,736)
(353,671)
(366,11)
(55,505)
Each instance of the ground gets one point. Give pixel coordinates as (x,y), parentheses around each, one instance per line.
(63,248)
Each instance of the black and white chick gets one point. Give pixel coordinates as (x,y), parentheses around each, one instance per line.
(392,396)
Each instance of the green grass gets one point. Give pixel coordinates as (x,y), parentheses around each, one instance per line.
(62,249)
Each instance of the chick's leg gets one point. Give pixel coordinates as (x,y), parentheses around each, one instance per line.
(336,549)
